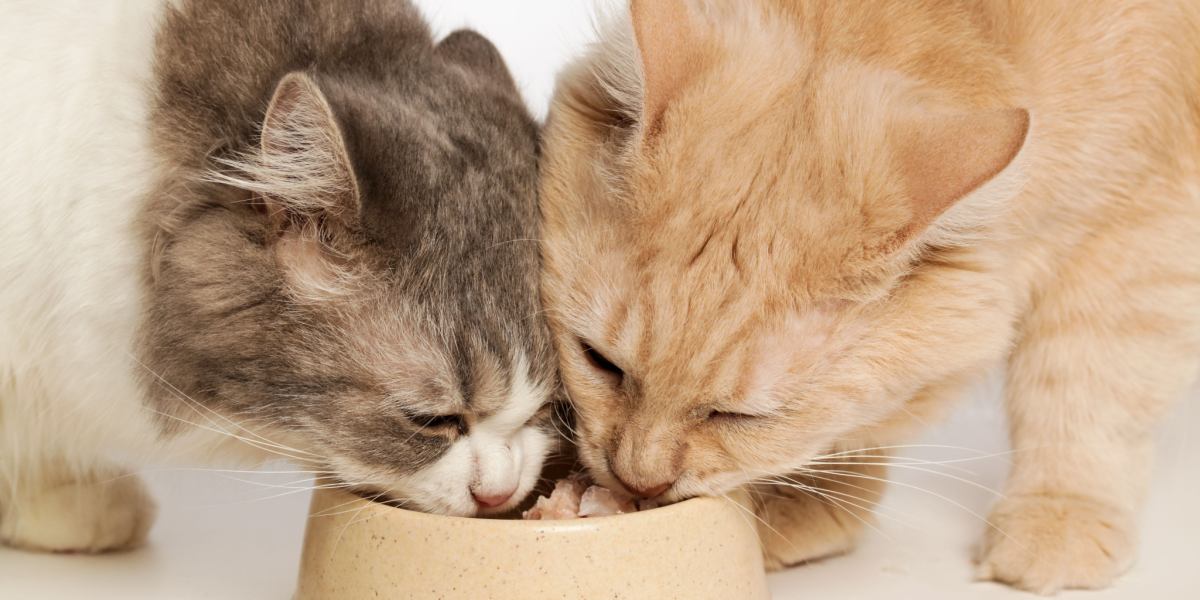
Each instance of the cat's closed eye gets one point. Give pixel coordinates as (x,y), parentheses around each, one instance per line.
(455,424)
(723,416)
(600,362)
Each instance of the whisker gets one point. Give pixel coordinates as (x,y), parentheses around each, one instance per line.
(896,460)
(196,405)
(978,516)
(901,447)
(739,506)
(867,505)
(924,470)
(250,442)
(355,520)
(838,503)
(290,492)
(325,513)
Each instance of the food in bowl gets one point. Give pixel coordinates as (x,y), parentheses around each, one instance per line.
(575,497)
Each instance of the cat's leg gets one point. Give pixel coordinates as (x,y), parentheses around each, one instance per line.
(816,514)
(53,508)
(1105,350)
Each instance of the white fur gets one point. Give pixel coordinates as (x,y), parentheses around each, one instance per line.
(74,168)
(499,455)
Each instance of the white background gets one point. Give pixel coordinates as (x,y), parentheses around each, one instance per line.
(221,538)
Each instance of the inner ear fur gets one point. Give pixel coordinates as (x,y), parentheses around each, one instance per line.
(941,158)
(303,170)
(670,46)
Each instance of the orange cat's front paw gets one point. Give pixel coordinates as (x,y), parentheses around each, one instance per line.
(1045,543)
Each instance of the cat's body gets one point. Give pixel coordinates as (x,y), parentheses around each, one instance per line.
(175,290)
(780,229)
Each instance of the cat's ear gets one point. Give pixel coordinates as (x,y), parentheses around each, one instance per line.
(477,53)
(669,45)
(303,171)
(942,158)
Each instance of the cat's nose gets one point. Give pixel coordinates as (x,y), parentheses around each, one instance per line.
(646,492)
(488,500)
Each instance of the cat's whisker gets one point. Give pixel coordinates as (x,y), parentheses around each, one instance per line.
(838,503)
(895,457)
(821,495)
(259,438)
(315,474)
(920,469)
(302,484)
(247,441)
(354,519)
(867,505)
(199,407)
(712,492)
(289,492)
(356,498)
(900,447)
(558,430)
(942,497)
(838,482)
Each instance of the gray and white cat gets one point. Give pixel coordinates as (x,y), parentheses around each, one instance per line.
(241,229)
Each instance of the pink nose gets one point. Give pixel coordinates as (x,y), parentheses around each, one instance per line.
(492,500)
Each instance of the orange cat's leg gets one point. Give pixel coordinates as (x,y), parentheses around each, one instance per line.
(817,514)
(1106,348)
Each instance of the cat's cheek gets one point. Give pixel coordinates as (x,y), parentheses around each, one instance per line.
(444,486)
(535,444)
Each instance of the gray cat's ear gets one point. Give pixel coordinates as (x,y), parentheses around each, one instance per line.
(303,170)
(477,53)
(944,159)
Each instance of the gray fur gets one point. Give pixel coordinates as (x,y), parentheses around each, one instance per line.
(444,154)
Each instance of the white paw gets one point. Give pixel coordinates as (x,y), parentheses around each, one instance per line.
(90,517)
(1044,544)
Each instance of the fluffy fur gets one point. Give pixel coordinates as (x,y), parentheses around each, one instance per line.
(240,230)
(780,234)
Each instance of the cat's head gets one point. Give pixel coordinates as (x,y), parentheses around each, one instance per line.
(360,292)
(740,241)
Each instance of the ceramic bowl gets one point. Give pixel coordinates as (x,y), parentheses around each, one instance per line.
(697,549)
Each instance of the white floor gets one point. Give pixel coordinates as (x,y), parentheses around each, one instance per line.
(223,539)
(220,538)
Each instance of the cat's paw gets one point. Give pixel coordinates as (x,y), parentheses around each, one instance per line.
(104,515)
(1044,544)
(795,527)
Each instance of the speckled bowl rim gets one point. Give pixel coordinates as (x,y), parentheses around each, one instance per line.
(662,512)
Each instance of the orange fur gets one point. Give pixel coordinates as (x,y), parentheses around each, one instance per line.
(836,213)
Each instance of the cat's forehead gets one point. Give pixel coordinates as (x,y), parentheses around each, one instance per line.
(688,351)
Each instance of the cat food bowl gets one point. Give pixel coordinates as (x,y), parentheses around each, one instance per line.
(697,549)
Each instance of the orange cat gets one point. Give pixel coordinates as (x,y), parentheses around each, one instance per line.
(776,230)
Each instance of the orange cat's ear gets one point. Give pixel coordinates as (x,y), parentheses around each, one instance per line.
(944,157)
(668,42)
